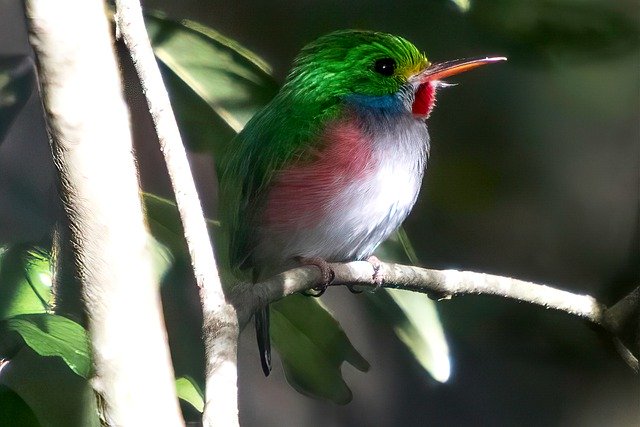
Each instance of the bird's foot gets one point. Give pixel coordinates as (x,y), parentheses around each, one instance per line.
(377,278)
(378,274)
(325,271)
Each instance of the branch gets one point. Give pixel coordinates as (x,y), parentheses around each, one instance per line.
(445,284)
(220,322)
(88,124)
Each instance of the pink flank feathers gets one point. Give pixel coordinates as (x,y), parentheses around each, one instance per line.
(301,195)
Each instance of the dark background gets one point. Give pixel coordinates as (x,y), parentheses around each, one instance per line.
(534,173)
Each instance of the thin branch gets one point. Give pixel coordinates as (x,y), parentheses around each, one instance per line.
(220,321)
(88,124)
(440,284)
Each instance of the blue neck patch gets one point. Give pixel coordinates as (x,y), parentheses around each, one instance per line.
(385,103)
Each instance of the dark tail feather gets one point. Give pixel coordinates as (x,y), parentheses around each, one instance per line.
(261,317)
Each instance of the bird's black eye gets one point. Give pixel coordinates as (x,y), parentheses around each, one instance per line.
(385,66)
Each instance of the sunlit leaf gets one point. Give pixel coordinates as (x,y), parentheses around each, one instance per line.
(17,80)
(25,280)
(189,391)
(53,335)
(462,5)
(313,347)
(413,316)
(215,84)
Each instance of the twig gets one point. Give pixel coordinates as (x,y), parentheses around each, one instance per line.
(441,284)
(220,321)
(90,139)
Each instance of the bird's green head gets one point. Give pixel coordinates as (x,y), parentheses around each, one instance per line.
(369,68)
(361,62)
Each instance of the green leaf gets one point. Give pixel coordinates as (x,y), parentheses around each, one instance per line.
(189,391)
(413,316)
(14,411)
(17,80)
(215,84)
(56,395)
(313,347)
(25,280)
(53,335)
(165,224)
(462,5)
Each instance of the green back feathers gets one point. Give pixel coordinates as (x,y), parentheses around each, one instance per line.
(286,130)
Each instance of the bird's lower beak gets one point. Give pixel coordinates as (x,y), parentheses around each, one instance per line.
(457,66)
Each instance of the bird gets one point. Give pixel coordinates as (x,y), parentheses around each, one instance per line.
(333,165)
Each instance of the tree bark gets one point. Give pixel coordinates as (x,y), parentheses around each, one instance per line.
(88,124)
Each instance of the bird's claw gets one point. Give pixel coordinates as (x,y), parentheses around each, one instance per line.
(378,274)
(325,271)
(315,292)
(377,278)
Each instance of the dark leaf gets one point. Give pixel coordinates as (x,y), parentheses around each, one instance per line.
(313,347)
(56,395)
(14,411)
(165,225)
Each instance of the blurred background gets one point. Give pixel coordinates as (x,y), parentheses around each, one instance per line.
(534,173)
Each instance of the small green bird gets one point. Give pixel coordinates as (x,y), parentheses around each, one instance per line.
(334,163)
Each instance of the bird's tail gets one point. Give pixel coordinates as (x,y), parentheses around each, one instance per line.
(261,318)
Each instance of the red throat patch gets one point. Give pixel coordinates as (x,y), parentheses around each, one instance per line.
(425,100)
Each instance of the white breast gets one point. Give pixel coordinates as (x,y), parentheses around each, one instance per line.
(364,213)
(377,205)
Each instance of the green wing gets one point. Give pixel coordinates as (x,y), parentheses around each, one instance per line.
(281,133)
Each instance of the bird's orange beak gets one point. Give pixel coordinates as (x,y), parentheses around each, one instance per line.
(457,66)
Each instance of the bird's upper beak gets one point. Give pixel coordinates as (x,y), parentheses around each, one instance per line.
(449,68)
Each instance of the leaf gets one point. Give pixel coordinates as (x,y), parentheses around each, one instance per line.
(165,224)
(14,411)
(189,391)
(25,280)
(17,80)
(462,5)
(53,335)
(215,84)
(313,347)
(56,395)
(413,316)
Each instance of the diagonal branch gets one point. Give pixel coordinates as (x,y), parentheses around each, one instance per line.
(444,284)
(220,321)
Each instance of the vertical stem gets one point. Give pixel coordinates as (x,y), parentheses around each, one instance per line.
(91,143)
(220,320)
